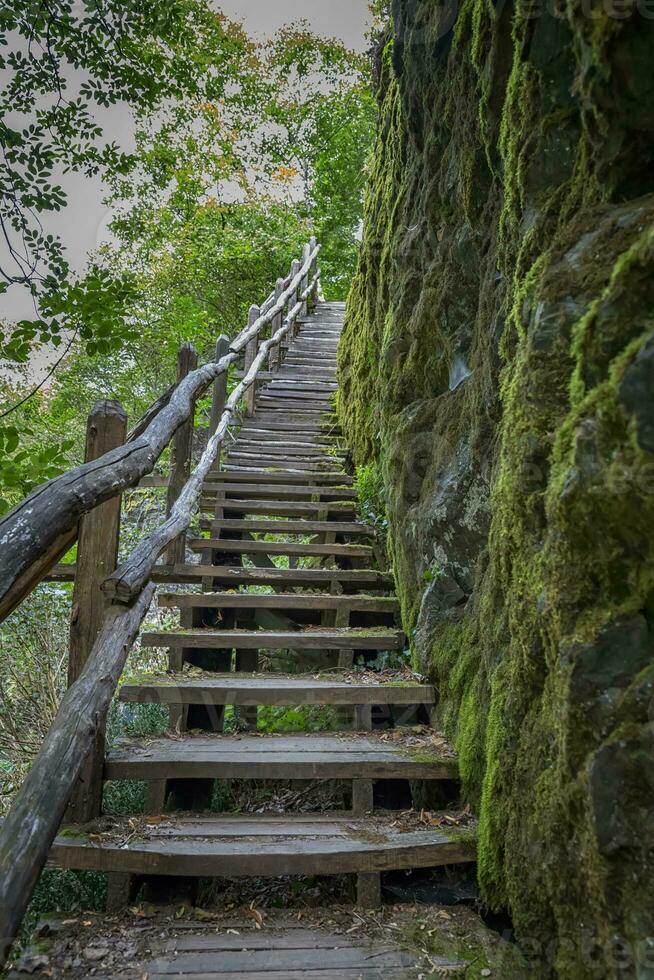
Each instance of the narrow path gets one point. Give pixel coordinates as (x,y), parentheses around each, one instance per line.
(288,593)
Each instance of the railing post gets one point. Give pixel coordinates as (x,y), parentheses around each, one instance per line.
(275,356)
(312,271)
(219,387)
(97,556)
(306,251)
(250,354)
(180,467)
(295,268)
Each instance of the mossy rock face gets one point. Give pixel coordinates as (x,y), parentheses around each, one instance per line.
(497,366)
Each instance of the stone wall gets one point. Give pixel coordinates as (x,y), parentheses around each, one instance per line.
(497,367)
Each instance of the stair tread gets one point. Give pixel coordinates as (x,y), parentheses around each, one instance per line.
(233,546)
(273,688)
(292,490)
(287,526)
(243,845)
(303,639)
(264,576)
(299,756)
(254,476)
(277,508)
(359,602)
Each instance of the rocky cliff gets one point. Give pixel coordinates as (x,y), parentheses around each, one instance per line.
(497,368)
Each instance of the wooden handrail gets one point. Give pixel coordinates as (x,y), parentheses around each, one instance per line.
(36,813)
(33,821)
(35,533)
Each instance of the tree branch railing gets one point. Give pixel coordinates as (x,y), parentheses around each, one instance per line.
(38,531)
(39,806)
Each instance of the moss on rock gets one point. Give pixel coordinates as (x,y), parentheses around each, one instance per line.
(497,364)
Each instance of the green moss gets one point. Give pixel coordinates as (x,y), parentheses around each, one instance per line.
(509,226)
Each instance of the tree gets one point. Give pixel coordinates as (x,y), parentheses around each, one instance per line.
(64,60)
(319,123)
(200,233)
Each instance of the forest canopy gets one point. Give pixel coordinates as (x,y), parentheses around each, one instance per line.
(239,150)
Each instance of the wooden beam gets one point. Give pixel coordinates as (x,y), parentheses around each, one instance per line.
(250,356)
(180,470)
(277,352)
(309,639)
(97,554)
(358,602)
(219,387)
(269,689)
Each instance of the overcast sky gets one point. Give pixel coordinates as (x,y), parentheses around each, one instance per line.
(82,224)
(346,19)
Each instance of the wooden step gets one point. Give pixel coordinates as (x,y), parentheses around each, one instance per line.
(316,440)
(288,526)
(297,399)
(285,375)
(289,953)
(269,689)
(377,638)
(241,846)
(277,476)
(311,461)
(310,578)
(287,473)
(278,601)
(282,493)
(305,413)
(293,383)
(234,547)
(263,419)
(278,508)
(268,447)
(282,463)
(275,757)
(232,577)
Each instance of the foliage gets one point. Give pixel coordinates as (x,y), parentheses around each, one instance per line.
(189,260)
(369,485)
(320,120)
(65,62)
(33,658)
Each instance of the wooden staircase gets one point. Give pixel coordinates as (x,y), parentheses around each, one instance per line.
(285,573)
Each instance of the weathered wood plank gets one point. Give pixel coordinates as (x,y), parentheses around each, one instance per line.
(288,526)
(272,757)
(279,508)
(249,689)
(249,600)
(357,846)
(283,492)
(277,476)
(308,577)
(182,448)
(280,548)
(97,554)
(310,639)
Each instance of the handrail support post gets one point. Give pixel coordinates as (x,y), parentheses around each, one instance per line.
(182,449)
(97,557)
(276,353)
(250,354)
